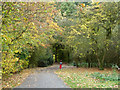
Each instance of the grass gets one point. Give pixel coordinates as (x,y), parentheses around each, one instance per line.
(81,78)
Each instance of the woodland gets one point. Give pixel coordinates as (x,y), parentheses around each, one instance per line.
(82,34)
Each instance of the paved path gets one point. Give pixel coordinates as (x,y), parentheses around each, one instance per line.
(44,78)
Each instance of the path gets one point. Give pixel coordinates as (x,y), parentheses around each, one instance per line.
(44,78)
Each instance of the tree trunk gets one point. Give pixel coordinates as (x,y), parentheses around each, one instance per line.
(56,55)
(101,61)
(101,66)
(68,57)
(76,61)
(88,61)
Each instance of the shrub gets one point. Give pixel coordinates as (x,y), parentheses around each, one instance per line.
(41,57)
(106,77)
(13,65)
(9,66)
(42,63)
(83,64)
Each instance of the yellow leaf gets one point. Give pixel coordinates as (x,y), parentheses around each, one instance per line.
(16,51)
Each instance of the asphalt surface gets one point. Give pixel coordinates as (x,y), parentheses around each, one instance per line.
(44,78)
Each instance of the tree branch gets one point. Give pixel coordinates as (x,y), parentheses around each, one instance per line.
(18,36)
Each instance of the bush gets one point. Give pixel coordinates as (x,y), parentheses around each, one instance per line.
(106,77)
(114,66)
(42,63)
(13,65)
(41,57)
(83,64)
(50,60)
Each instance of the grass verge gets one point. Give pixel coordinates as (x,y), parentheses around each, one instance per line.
(81,78)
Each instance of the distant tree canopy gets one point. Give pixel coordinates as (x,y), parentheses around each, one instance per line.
(83,33)
(91,31)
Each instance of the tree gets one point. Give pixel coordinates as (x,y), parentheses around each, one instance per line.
(96,24)
(25,26)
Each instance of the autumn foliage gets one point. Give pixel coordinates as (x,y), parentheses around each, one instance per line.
(74,32)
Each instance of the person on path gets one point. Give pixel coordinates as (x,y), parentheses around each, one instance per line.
(60,64)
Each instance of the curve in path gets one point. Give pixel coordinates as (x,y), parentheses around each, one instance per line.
(45,78)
